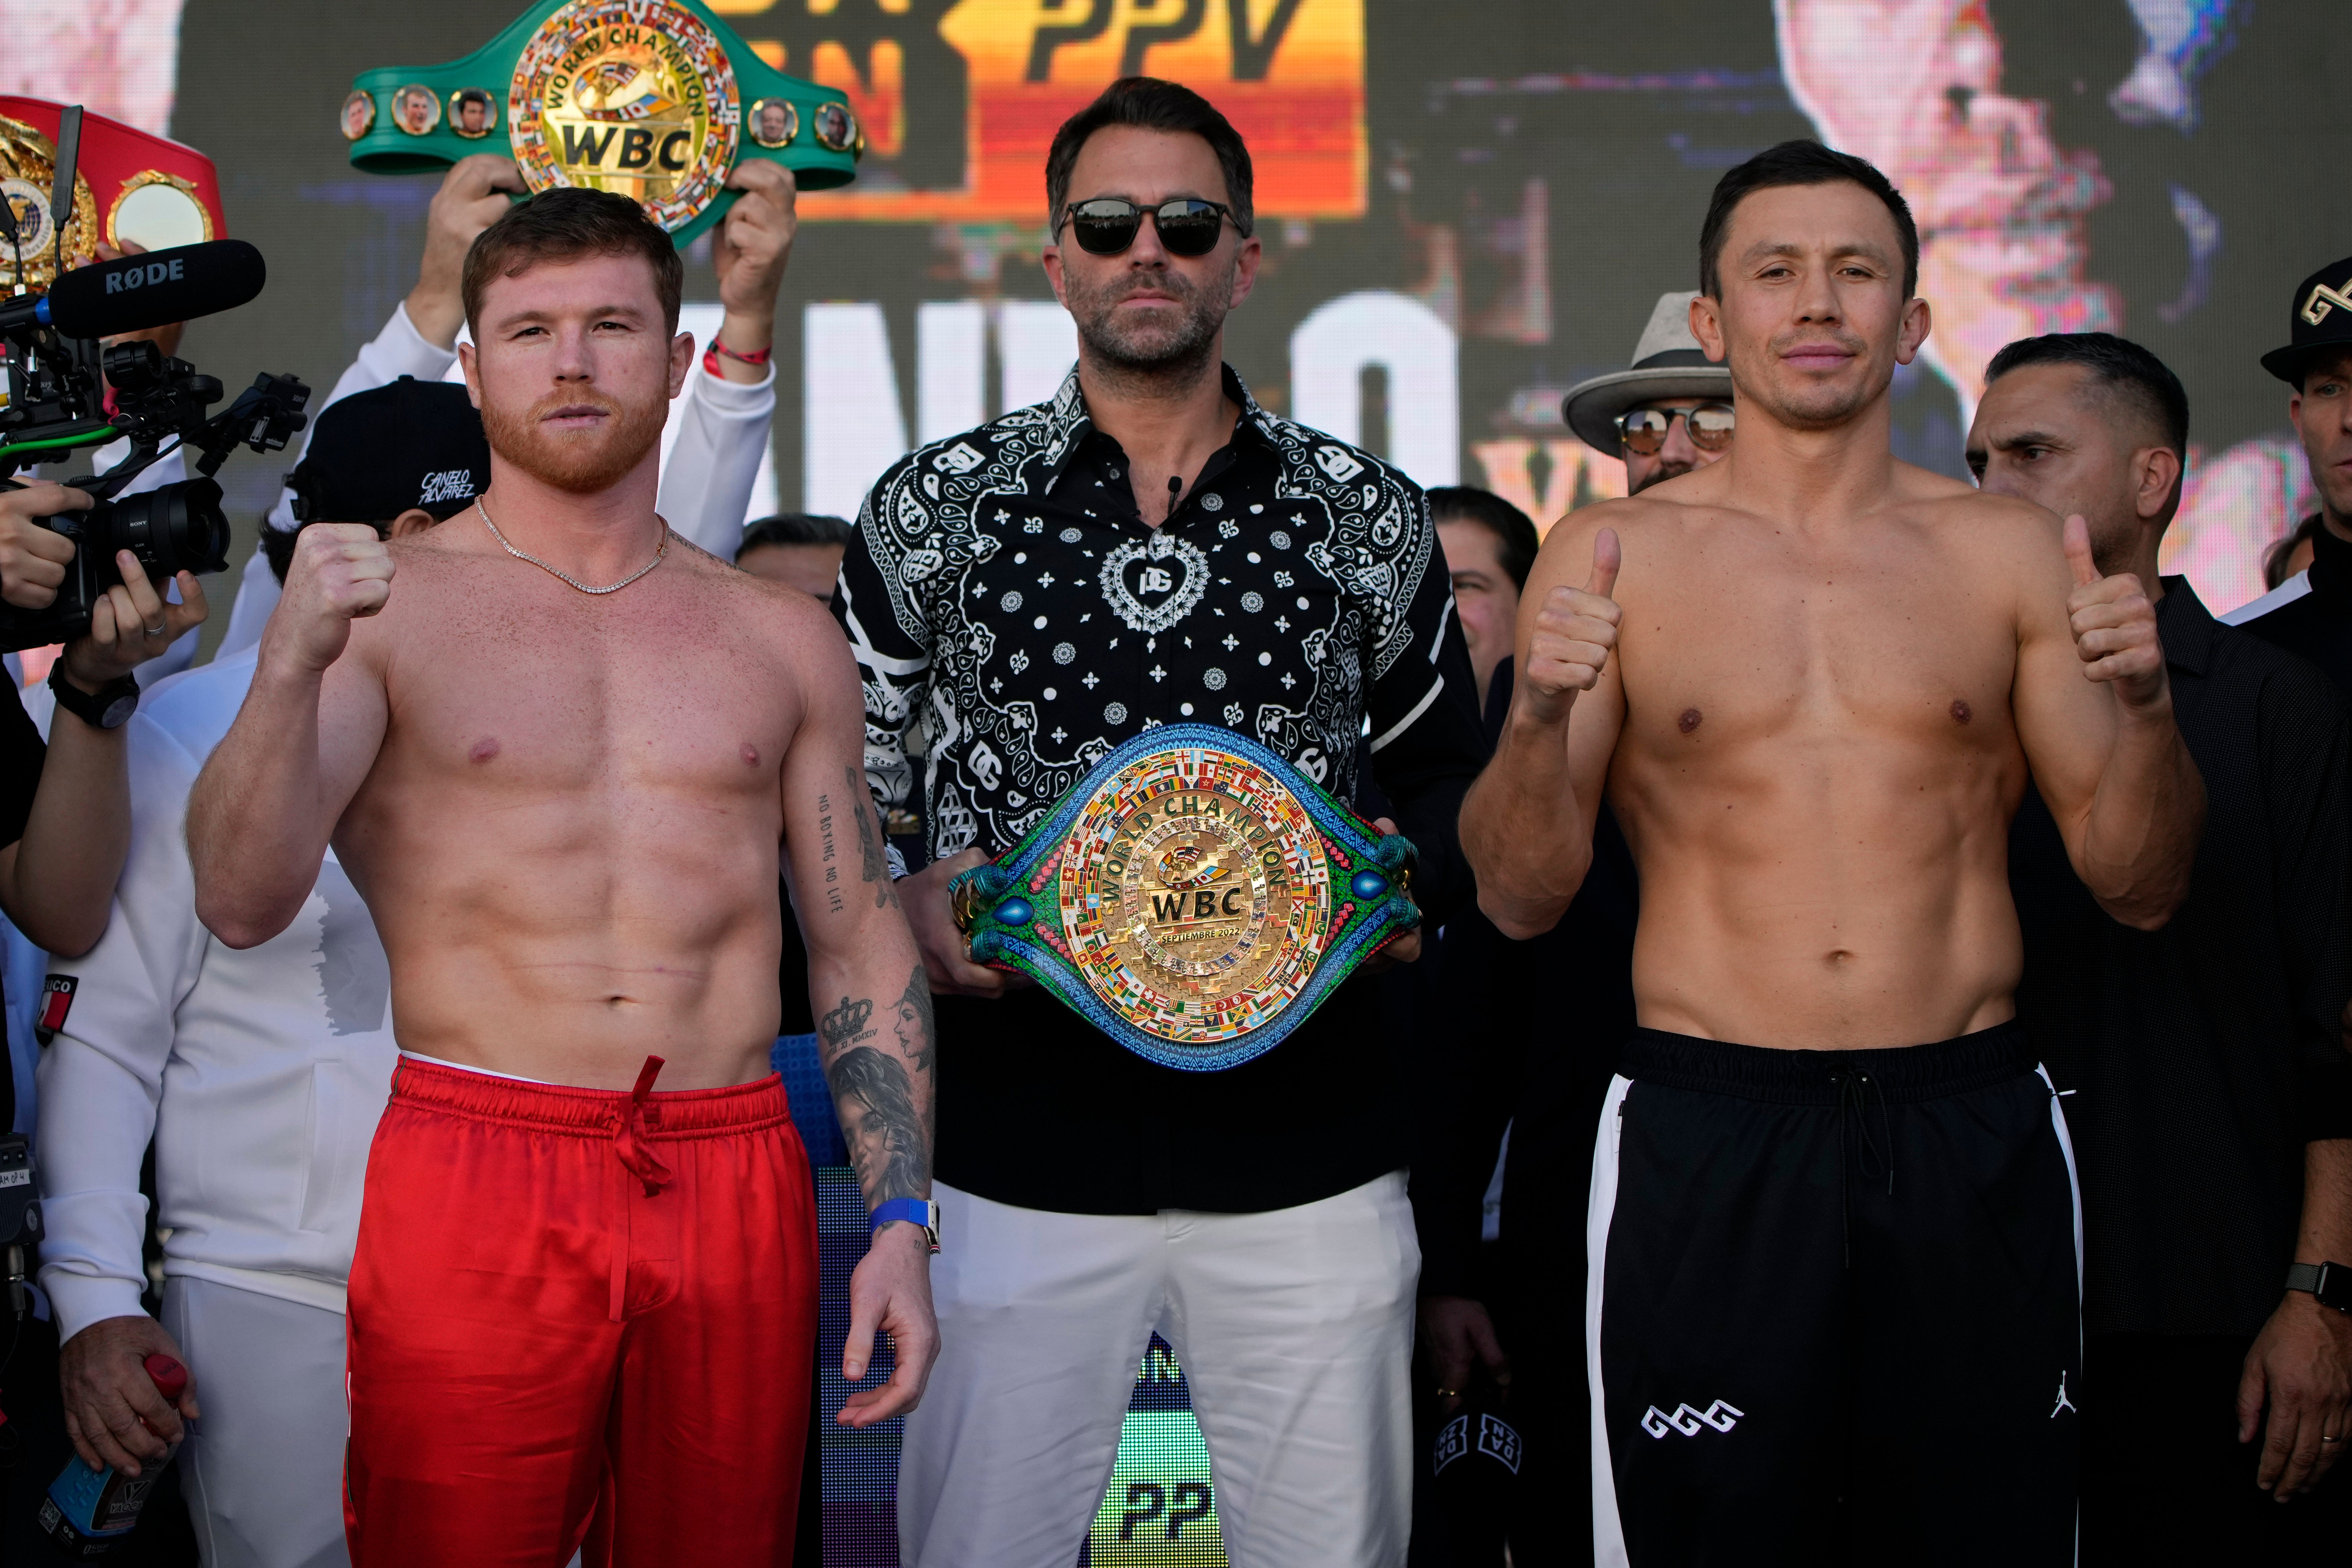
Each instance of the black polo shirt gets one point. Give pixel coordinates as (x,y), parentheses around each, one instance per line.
(2204,1055)
(2317,623)
(1015,621)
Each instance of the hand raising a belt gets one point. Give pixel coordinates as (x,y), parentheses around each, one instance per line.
(658,100)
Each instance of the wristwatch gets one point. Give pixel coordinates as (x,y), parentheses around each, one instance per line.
(914,1211)
(2331,1282)
(108,708)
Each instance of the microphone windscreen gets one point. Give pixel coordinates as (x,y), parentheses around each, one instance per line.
(155,289)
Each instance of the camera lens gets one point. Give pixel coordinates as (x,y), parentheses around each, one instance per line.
(173,529)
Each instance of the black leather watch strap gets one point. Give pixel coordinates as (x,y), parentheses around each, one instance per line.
(108,708)
(2331,1282)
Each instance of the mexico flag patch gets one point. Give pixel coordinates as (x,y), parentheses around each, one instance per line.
(57,1001)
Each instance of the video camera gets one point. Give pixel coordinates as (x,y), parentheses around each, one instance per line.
(59,372)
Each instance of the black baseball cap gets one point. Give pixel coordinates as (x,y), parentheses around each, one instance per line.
(379,453)
(2319,318)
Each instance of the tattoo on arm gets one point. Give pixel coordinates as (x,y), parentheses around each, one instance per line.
(918,1033)
(884,1098)
(888,1140)
(869,844)
(845,1025)
(832,868)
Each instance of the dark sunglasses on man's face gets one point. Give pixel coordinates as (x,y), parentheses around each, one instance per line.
(1643,430)
(1107,225)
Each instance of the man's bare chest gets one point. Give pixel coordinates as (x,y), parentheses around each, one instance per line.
(545,705)
(1755,648)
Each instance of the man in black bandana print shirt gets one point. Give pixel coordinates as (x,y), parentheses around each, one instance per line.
(1021,600)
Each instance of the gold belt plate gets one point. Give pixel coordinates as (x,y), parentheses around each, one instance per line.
(1196,893)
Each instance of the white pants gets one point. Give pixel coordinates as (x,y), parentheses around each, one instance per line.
(1294,1329)
(264,1475)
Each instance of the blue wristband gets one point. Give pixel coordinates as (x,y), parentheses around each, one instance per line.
(919,1211)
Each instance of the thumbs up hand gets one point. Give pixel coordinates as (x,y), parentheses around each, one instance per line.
(1574,632)
(2115,625)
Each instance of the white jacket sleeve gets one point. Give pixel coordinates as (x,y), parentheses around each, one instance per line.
(722,433)
(101,1077)
(399,350)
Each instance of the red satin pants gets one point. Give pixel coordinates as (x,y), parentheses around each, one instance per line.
(579,1319)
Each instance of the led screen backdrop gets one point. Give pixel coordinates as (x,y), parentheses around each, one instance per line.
(1465,208)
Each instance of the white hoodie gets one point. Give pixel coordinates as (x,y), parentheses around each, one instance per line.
(269,1066)
(260,1074)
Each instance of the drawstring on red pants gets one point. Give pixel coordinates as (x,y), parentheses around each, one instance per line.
(632,1140)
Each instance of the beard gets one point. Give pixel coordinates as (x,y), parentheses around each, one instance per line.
(1150,347)
(1666,468)
(578,462)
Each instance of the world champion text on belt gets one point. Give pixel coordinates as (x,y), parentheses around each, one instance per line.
(1194,897)
(658,100)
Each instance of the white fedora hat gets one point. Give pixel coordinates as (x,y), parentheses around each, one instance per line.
(1667,363)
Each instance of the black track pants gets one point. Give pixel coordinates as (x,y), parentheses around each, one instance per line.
(1832,1310)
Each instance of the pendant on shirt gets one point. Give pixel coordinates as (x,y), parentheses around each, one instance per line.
(1154,583)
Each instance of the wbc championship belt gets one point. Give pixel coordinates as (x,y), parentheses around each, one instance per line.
(658,100)
(130,189)
(1194,897)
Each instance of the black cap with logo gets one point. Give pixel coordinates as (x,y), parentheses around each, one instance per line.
(2320,318)
(376,454)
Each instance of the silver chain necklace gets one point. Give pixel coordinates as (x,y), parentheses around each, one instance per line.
(557,570)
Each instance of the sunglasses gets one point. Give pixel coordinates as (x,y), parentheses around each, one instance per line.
(1644,430)
(1107,225)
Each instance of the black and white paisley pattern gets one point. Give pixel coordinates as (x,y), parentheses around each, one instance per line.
(1002,595)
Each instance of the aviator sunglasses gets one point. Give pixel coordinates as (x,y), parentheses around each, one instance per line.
(1644,430)
(1187,226)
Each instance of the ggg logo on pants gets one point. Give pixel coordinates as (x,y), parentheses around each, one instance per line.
(1688,1422)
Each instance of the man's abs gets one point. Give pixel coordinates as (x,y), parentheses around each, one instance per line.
(1824,890)
(606,965)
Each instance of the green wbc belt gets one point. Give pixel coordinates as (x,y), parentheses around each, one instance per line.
(658,100)
(1195,898)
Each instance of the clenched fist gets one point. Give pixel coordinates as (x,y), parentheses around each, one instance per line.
(1574,632)
(2114,626)
(341,572)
